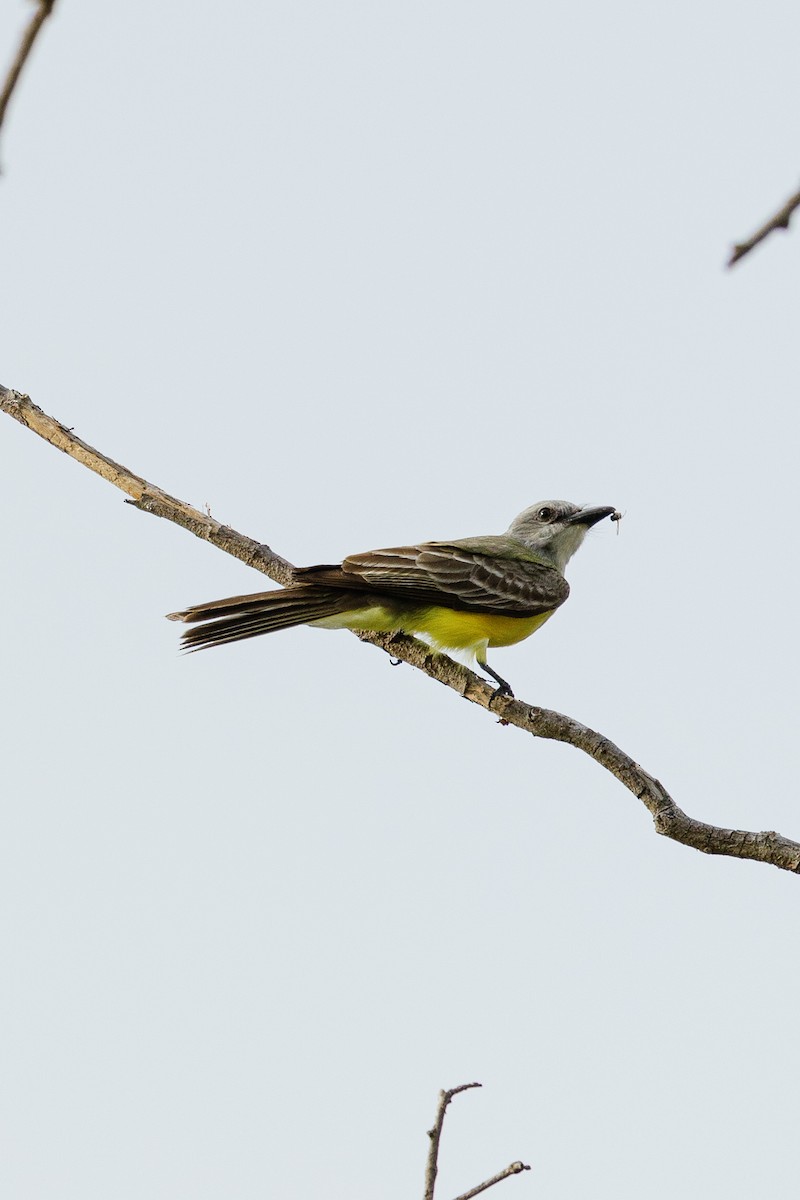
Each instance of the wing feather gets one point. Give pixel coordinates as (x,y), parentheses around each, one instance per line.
(469,577)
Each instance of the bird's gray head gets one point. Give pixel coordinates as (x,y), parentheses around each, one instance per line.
(555,528)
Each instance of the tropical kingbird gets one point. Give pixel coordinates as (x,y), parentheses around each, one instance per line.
(464,595)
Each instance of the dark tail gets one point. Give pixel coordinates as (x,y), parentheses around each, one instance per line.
(241,617)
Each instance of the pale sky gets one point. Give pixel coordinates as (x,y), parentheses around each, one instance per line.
(355,275)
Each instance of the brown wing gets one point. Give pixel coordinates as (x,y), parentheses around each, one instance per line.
(464,577)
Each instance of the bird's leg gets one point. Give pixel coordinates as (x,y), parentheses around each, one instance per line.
(393,636)
(504,688)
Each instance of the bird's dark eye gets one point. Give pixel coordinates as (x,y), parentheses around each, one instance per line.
(545,514)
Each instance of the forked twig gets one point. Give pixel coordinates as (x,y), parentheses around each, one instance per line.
(435,1135)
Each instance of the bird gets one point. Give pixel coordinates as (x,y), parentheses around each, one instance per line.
(466,595)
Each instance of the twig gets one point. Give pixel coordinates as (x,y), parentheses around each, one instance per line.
(514,1168)
(145,495)
(779,221)
(435,1134)
(26,45)
(668,818)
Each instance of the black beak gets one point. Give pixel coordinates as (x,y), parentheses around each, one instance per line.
(590,516)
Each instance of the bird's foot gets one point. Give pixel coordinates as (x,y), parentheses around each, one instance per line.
(502,690)
(503,687)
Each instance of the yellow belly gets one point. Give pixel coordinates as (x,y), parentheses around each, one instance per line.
(446,628)
(451,630)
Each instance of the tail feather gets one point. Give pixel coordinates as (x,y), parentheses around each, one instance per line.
(240,617)
(235,604)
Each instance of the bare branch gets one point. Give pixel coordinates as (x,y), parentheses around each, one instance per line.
(668,818)
(45,7)
(435,1134)
(145,495)
(779,221)
(514,1168)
